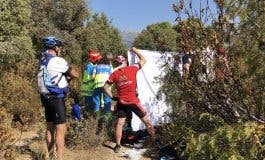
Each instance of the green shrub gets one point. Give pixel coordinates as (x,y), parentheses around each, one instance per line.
(243,140)
(87,133)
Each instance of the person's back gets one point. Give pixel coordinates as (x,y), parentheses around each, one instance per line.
(54,79)
(87,82)
(56,74)
(125,80)
(100,98)
(102,72)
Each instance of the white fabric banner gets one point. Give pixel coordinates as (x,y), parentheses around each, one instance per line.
(148,86)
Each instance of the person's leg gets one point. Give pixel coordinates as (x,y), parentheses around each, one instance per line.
(50,138)
(150,129)
(89,104)
(60,122)
(60,135)
(118,130)
(140,112)
(121,112)
(107,105)
(50,126)
(96,100)
(118,134)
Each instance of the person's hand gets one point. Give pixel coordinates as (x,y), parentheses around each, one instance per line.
(133,49)
(68,78)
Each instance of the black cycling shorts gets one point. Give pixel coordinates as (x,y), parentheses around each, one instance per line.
(125,110)
(55,109)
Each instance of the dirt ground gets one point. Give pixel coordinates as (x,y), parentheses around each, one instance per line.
(31,145)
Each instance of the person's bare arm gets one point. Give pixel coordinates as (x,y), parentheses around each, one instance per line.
(139,55)
(74,73)
(106,88)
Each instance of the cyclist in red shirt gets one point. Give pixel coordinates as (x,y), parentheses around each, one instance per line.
(124,79)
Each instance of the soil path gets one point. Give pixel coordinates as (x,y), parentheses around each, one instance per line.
(31,146)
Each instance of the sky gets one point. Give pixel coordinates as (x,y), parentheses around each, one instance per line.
(136,15)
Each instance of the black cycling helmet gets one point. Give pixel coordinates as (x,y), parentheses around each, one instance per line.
(52,41)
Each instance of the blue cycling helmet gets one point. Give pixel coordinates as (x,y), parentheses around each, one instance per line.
(52,41)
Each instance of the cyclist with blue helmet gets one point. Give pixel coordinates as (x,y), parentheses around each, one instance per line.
(59,72)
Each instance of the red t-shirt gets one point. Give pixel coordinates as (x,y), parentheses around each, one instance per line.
(125,80)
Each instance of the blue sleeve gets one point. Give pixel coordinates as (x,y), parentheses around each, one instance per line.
(89,68)
(110,69)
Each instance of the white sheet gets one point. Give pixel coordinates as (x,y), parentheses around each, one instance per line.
(148,87)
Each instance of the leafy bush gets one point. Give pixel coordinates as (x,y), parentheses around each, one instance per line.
(219,141)
(19,94)
(14,40)
(212,118)
(87,133)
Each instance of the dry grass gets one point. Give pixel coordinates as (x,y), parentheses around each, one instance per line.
(87,133)
(5,135)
